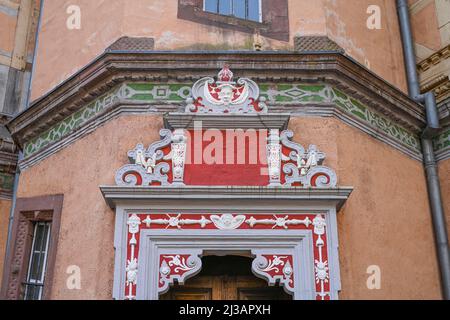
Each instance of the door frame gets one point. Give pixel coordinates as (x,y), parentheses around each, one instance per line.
(156,243)
(238,201)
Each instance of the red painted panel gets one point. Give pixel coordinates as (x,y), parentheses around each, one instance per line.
(243,164)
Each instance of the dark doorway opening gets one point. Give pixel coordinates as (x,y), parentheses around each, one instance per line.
(226,278)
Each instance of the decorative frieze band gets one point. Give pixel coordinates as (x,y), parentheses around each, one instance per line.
(172,97)
(442,145)
(275,267)
(163,162)
(6,185)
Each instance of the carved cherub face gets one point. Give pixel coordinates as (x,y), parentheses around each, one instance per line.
(133,224)
(226,94)
(227,219)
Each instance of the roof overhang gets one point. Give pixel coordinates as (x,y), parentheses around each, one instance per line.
(113,68)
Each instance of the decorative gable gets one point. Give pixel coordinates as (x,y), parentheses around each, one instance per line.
(225,95)
(240,152)
(225,176)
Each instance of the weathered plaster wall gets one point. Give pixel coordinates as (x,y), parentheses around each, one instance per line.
(5,205)
(18,24)
(386,221)
(62,52)
(8,26)
(444,175)
(430,22)
(378,49)
(87,223)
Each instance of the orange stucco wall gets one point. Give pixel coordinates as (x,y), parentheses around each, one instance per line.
(7,25)
(380,50)
(444,175)
(5,206)
(62,52)
(385,222)
(425,27)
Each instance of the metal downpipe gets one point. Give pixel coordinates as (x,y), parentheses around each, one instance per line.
(429,160)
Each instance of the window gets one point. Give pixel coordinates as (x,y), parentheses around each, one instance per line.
(243,9)
(30,261)
(34,284)
(268,18)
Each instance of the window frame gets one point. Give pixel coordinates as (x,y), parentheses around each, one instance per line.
(27,212)
(260,11)
(274,19)
(41,281)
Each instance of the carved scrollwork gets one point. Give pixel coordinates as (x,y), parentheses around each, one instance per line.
(177,267)
(275,268)
(305,166)
(151,165)
(225,95)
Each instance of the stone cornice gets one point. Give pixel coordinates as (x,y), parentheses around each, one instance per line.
(231,121)
(115,195)
(113,68)
(444,111)
(434,59)
(442,144)
(8,155)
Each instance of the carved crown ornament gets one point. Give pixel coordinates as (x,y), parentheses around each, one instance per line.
(225,95)
(287,163)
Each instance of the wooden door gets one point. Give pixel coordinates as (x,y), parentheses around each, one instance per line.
(226,278)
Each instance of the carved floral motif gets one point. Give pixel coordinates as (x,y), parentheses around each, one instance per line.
(271,266)
(176,267)
(275,268)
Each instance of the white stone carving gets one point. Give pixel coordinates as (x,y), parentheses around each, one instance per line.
(312,159)
(273,265)
(177,267)
(225,95)
(132,267)
(321,271)
(178,156)
(321,266)
(228,221)
(133,227)
(281,222)
(274,158)
(150,165)
(134,223)
(275,268)
(319,224)
(305,167)
(176,222)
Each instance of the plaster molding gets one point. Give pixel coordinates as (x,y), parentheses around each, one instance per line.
(112,69)
(131,98)
(115,195)
(434,59)
(419,5)
(309,245)
(8,160)
(228,121)
(442,145)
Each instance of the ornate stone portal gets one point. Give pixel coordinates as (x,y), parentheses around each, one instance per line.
(287,224)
